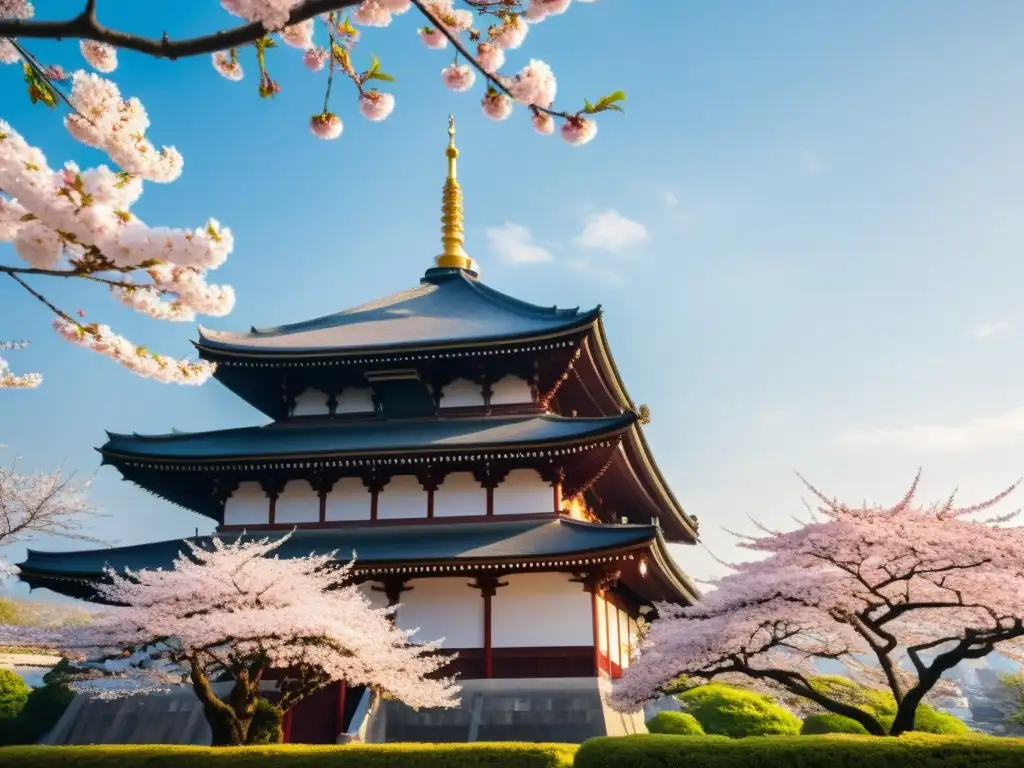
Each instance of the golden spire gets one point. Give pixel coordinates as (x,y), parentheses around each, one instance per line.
(452,254)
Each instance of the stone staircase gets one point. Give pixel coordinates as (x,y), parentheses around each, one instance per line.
(568,710)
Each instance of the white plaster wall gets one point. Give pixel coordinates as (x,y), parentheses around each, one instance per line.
(355,400)
(510,390)
(613,634)
(461,393)
(312,402)
(602,625)
(541,609)
(402,497)
(631,628)
(348,500)
(298,503)
(460,494)
(523,492)
(625,639)
(248,505)
(443,608)
(377,599)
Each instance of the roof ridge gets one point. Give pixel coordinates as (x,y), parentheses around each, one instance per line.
(519,306)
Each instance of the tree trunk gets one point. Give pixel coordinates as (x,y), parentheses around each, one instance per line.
(229,723)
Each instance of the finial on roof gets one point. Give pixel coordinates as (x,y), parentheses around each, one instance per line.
(452,231)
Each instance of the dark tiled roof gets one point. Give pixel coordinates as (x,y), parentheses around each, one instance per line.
(428,543)
(446,307)
(325,438)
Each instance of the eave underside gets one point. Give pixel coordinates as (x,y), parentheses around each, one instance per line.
(494,547)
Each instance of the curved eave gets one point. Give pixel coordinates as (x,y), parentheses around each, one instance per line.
(615,387)
(673,576)
(610,429)
(210,349)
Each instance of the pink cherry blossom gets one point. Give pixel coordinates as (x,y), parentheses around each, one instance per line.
(497,105)
(375,105)
(227,65)
(239,600)
(538,10)
(101,57)
(10,491)
(535,84)
(511,34)
(272,14)
(433,38)
(315,59)
(490,57)
(543,123)
(579,130)
(326,125)
(458,77)
(372,13)
(13,9)
(299,35)
(872,581)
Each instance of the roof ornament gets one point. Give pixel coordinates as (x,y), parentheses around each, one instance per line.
(452,231)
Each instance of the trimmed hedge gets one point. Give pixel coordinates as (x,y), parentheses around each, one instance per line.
(724,710)
(840,751)
(675,723)
(13,693)
(42,710)
(511,755)
(816,725)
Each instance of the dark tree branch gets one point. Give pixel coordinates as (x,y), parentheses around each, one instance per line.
(87,27)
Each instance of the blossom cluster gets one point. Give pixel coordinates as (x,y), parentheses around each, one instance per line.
(533,86)
(11,380)
(839,587)
(239,600)
(79,223)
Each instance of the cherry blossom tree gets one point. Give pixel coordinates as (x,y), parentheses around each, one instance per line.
(327,39)
(236,611)
(72,223)
(42,504)
(929,585)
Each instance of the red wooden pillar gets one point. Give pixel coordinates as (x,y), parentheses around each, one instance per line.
(340,718)
(488,586)
(286,726)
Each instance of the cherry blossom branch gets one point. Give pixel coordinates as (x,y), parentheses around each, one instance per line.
(46,302)
(86,26)
(492,79)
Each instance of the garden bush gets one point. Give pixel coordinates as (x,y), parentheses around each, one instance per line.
(728,711)
(927,720)
(675,723)
(839,751)
(829,723)
(13,693)
(265,727)
(43,708)
(510,755)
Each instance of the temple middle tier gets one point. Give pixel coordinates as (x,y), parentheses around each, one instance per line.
(337,473)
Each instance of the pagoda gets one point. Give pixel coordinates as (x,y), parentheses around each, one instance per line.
(480,457)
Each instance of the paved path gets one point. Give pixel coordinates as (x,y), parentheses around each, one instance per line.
(8,660)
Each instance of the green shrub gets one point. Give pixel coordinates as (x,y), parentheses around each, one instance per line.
(511,755)
(875,701)
(13,693)
(829,723)
(676,723)
(42,710)
(265,727)
(927,720)
(839,751)
(734,712)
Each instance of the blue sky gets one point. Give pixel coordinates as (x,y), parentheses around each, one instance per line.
(806,234)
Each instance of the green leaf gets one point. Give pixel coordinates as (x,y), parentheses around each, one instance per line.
(379,76)
(374,65)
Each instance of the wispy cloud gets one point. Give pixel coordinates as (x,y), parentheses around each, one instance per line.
(610,231)
(1003,429)
(989,328)
(514,244)
(669,198)
(810,163)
